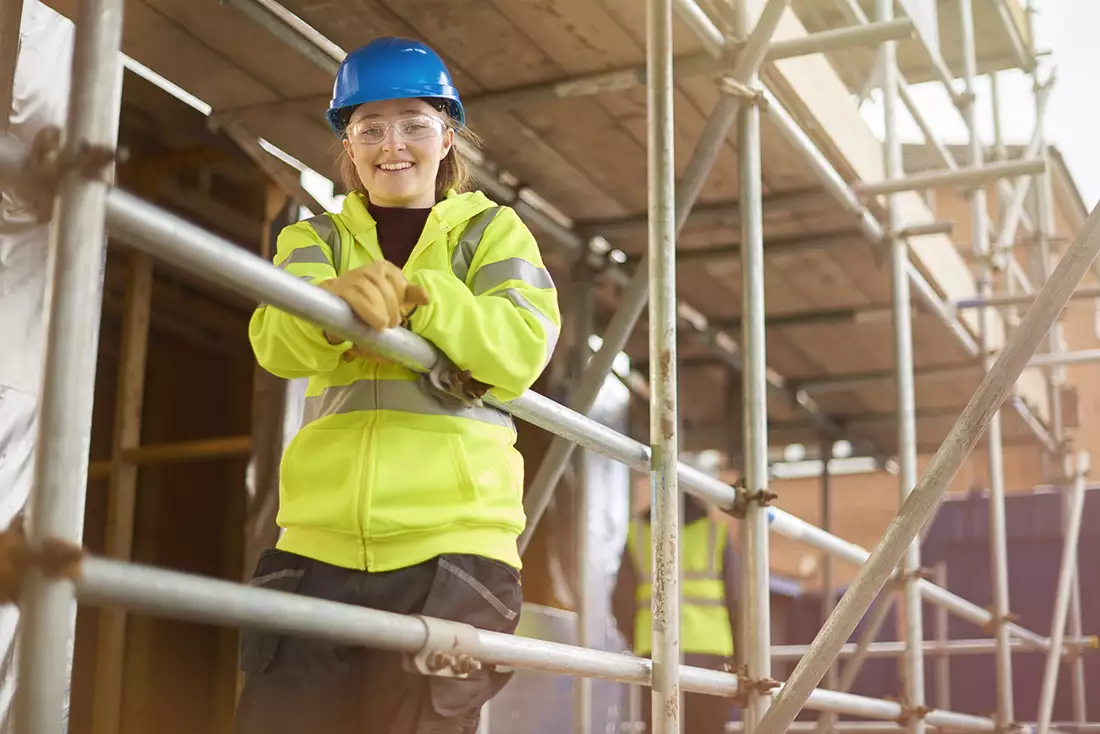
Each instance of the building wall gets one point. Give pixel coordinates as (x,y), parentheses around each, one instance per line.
(864,504)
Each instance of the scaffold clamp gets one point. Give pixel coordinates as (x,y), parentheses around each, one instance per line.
(55,559)
(48,161)
(734,88)
(996,621)
(451,383)
(910,713)
(745,684)
(742,498)
(446,650)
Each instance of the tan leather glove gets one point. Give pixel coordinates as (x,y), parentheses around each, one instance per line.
(377,293)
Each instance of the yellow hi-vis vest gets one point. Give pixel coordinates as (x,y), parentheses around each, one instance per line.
(704,620)
(384,474)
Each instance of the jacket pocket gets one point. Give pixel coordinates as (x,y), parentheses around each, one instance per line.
(485,594)
(321,475)
(279,571)
(422,481)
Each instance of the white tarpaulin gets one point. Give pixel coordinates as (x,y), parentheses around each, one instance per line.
(40,98)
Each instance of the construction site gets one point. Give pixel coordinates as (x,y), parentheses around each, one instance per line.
(875,360)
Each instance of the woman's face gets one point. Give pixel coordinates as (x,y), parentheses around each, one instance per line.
(396,146)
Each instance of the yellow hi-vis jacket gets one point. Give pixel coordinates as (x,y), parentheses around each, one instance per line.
(704,620)
(383,474)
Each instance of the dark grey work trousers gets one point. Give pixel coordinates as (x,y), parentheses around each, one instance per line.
(295,685)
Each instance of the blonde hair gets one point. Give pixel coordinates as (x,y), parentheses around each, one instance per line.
(455,170)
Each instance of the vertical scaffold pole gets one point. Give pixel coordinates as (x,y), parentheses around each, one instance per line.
(912,664)
(754,550)
(584,304)
(663,420)
(1066,574)
(56,509)
(826,722)
(982,252)
(1055,381)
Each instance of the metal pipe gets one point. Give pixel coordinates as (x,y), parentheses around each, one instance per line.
(946,649)
(973,175)
(924,500)
(687,66)
(841,39)
(1014,209)
(1024,58)
(1067,572)
(998,542)
(48,611)
(859,380)
(931,139)
(1022,299)
(192,598)
(1076,662)
(1056,377)
(943,660)
(705,29)
(912,665)
(755,587)
(634,298)
(1062,359)
(828,582)
(663,416)
(920,230)
(584,301)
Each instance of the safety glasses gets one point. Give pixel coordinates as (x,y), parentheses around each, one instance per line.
(414,127)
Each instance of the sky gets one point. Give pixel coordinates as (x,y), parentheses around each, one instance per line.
(1067,29)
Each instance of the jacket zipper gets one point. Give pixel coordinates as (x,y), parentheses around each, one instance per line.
(362,509)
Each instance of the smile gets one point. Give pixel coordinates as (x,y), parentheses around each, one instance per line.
(400,166)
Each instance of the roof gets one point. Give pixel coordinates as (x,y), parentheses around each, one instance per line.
(585,156)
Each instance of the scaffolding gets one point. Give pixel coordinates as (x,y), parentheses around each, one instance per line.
(58,573)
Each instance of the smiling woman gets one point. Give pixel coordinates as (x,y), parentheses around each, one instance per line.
(395,494)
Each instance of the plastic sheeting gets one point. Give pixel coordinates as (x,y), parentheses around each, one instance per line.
(40,98)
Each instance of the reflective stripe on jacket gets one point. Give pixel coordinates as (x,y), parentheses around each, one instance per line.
(704,620)
(383,474)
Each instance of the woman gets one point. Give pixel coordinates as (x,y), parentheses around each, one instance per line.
(393,495)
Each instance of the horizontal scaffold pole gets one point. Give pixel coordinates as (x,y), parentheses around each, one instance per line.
(968,176)
(189,597)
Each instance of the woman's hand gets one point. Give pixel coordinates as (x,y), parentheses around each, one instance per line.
(377,293)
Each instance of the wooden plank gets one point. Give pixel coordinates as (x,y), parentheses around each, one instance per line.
(123,487)
(155,41)
(583,38)
(245,45)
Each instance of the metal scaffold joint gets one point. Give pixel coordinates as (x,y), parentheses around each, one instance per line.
(910,713)
(996,621)
(49,160)
(743,498)
(745,684)
(735,88)
(446,650)
(915,574)
(55,559)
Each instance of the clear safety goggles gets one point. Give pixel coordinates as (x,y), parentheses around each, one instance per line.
(414,127)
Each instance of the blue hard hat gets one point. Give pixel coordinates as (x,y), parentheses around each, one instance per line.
(391,68)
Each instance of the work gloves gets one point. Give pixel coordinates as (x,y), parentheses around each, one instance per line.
(378,294)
